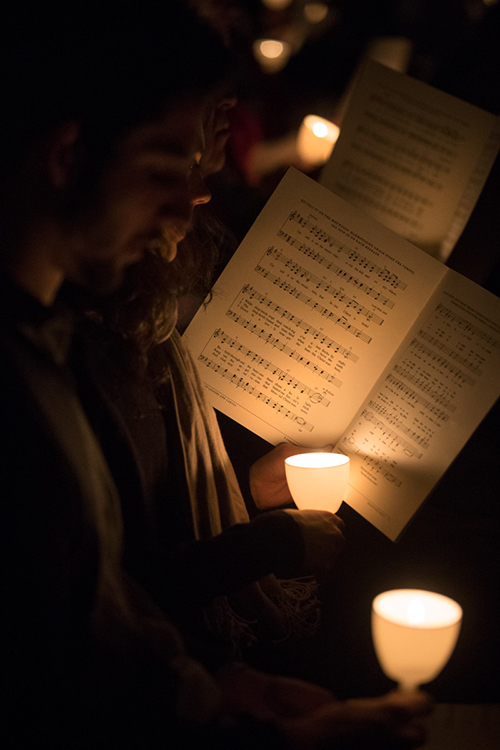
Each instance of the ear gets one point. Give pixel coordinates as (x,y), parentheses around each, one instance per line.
(64,154)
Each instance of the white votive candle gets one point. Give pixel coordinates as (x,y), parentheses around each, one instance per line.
(414,634)
(316,138)
(318,481)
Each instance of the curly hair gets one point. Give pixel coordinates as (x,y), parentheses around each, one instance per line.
(144,309)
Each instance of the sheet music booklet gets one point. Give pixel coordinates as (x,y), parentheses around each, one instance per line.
(326,327)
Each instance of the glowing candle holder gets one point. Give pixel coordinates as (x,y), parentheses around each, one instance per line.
(318,481)
(316,139)
(272,54)
(414,633)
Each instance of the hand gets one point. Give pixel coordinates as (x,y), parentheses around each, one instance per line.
(267,475)
(391,722)
(268,697)
(323,535)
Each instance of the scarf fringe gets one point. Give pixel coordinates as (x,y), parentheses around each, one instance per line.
(297,601)
(229,627)
(302,607)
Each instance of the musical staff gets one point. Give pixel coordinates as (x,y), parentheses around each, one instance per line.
(336,293)
(354,255)
(281,375)
(430,354)
(425,386)
(240,382)
(274,341)
(349,278)
(371,464)
(318,336)
(450,352)
(412,395)
(374,464)
(394,437)
(466,326)
(339,320)
(392,420)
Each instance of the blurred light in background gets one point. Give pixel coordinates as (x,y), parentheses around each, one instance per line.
(315,12)
(316,139)
(276,4)
(271,54)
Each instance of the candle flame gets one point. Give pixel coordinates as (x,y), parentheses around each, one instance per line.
(320,129)
(416,612)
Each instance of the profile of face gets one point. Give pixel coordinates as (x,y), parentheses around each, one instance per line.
(144,199)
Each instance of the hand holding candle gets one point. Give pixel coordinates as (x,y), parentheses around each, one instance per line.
(267,476)
(414,634)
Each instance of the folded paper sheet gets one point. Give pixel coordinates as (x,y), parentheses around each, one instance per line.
(412,157)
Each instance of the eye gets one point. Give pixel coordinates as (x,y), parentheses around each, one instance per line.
(172,172)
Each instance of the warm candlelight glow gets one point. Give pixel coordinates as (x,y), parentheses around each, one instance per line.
(393,52)
(318,481)
(276,4)
(315,12)
(316,139)
(416,612)
(271,48)
(414,634)
(319,129)
(271,54)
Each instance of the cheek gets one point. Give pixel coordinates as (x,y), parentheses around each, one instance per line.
(130,196)
(134,212)
(147,202)
(138,202)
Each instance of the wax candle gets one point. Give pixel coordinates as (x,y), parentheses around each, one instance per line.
(318,481)
(414,634)
(316,139)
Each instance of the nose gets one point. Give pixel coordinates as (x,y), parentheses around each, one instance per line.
(199,192)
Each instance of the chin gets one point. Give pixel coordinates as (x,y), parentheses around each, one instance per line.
(170,253)
(168,247)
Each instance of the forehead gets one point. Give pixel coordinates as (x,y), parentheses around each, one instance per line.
(178,130)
